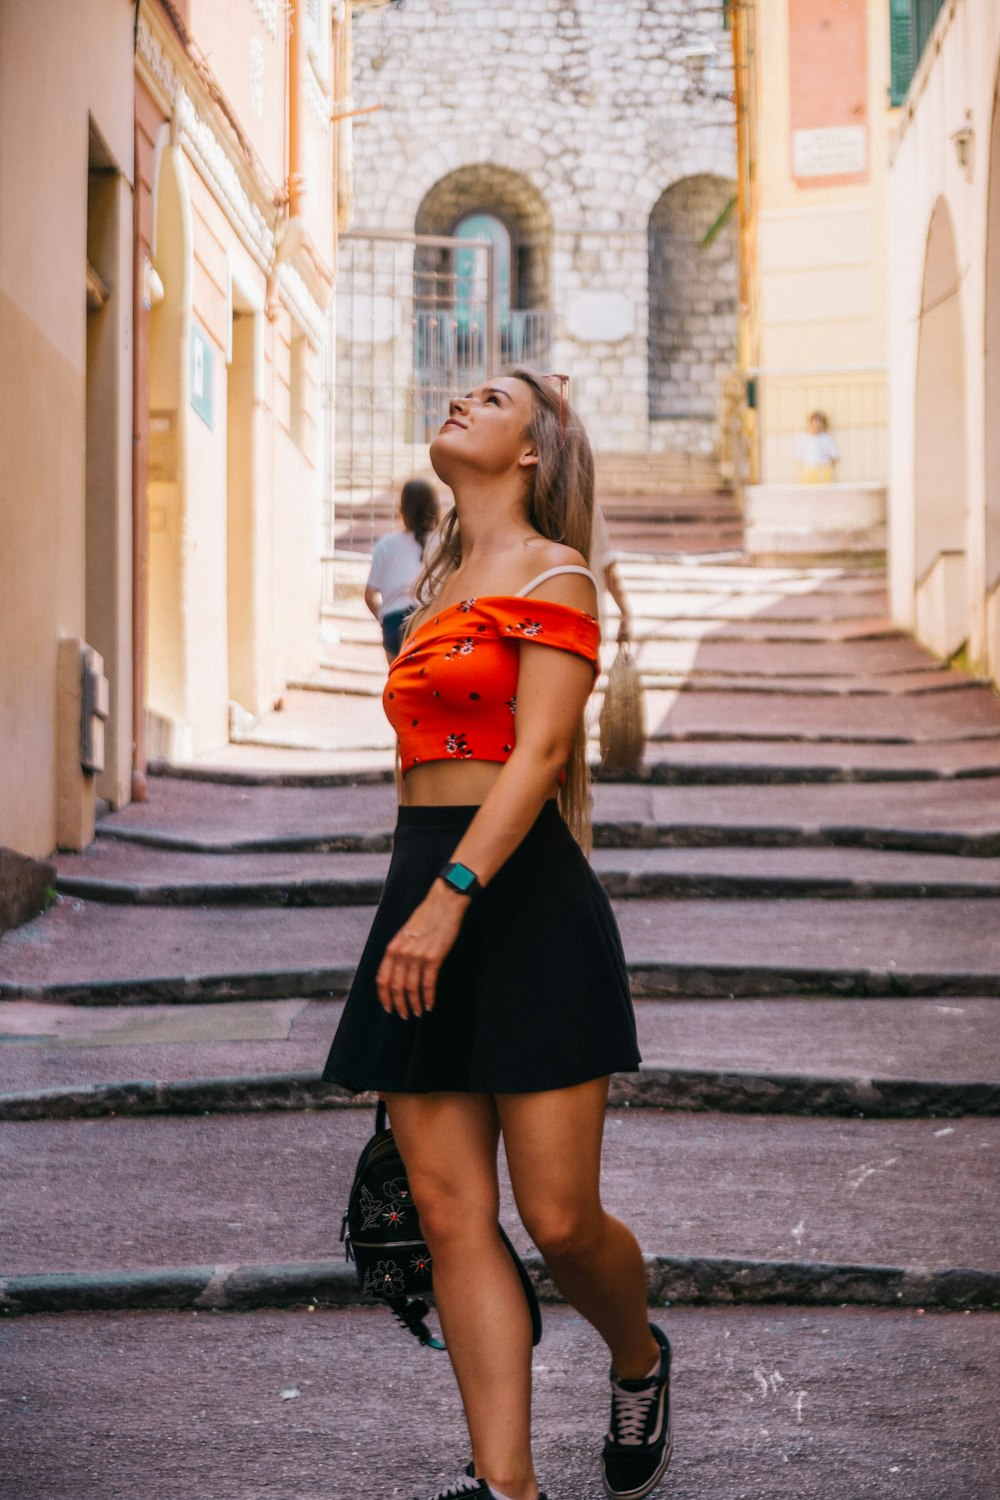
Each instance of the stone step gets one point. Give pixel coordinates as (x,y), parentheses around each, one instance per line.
(688,763)
(764,629)
(96,953)
(735,1091)
(789,1056)
(119,871)
(346,725)
(783,762)
(769,659)
(959,817)
(787,1404)
(130,1194)
(368,681)
(806,1054)
(965,713)
(655,474)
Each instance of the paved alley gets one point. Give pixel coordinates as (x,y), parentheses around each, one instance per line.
(807,877)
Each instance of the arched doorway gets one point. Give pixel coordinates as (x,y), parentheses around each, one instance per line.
(453,332)
(940,494)
(992,443)
(693,293)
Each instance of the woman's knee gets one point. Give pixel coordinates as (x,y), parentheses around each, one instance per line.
(565,1232)
(451,1217)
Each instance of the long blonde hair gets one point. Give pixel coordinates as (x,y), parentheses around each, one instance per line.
(560,507)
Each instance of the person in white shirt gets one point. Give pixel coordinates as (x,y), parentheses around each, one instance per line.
(397,560)
(816,452)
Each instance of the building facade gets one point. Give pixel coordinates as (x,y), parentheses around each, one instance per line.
(182,169)
(66,163)
(591,143)
(944,212)
(811,82)
(237,220)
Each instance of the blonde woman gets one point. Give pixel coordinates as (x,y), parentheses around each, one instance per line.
(492,997)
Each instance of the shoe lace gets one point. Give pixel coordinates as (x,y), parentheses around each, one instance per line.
(460,1487)
(629,1411)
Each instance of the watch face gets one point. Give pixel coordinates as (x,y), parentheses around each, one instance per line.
(460,877)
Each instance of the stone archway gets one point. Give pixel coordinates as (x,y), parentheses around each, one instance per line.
(458,333)
(940,491)
(508,196)
(992,376)
(693,305)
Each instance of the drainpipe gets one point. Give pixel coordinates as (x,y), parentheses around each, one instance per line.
(292,231)
(140,545)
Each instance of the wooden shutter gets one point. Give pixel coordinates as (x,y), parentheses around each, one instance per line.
(901,48)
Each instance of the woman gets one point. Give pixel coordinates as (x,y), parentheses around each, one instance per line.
(492,997)
(397,560)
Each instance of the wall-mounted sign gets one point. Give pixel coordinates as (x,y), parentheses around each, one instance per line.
(836,151)
(201,374)
(828,90)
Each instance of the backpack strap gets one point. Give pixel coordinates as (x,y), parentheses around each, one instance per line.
(552,573)
(381,1117)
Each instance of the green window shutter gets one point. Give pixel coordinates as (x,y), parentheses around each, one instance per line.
(901,48)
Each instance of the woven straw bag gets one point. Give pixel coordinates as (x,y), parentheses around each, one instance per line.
(623,736)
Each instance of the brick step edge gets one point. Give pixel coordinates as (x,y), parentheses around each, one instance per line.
(649,981)
(658,773)
(622,834)
(619,884)
(731,1091)
(670,1281)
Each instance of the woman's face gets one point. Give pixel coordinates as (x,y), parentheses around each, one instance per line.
(485,431)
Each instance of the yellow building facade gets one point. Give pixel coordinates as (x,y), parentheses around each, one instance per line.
(175,173)
(813,125)
(237,207)
(66,165)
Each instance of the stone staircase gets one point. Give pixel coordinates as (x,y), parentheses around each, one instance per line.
(806,873)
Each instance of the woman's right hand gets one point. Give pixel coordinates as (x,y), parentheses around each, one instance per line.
(407,976)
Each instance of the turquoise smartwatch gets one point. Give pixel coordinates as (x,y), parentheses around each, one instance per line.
(461,879)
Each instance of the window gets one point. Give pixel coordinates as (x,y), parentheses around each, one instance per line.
(910,25)
(470,266)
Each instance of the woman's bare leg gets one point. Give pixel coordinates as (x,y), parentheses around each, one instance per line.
(553,1145)
(449,1145)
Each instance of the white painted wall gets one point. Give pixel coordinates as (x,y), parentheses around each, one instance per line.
(954,88)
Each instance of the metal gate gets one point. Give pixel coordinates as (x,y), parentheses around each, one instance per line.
(416,319)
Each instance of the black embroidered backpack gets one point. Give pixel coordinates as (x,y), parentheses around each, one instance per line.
(381,1234)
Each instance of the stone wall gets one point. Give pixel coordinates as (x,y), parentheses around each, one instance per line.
(693,290)
(570,119)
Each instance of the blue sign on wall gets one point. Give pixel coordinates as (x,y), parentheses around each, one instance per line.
(202,373)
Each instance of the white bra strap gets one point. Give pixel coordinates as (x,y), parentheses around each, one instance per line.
(552,572)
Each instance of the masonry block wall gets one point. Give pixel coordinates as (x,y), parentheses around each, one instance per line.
(593,130)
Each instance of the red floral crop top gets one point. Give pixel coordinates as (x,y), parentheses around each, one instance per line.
(452,690)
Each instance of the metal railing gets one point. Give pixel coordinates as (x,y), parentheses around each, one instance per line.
(405,333)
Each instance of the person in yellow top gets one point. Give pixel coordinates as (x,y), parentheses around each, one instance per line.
(816,452)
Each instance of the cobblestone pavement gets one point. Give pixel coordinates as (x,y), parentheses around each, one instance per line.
(807,876)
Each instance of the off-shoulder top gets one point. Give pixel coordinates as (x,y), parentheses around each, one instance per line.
(452,690)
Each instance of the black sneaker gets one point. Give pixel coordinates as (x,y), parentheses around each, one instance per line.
(462,1489)
(638,1447)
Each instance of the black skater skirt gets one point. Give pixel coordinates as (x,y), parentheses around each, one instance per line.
(534,995)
